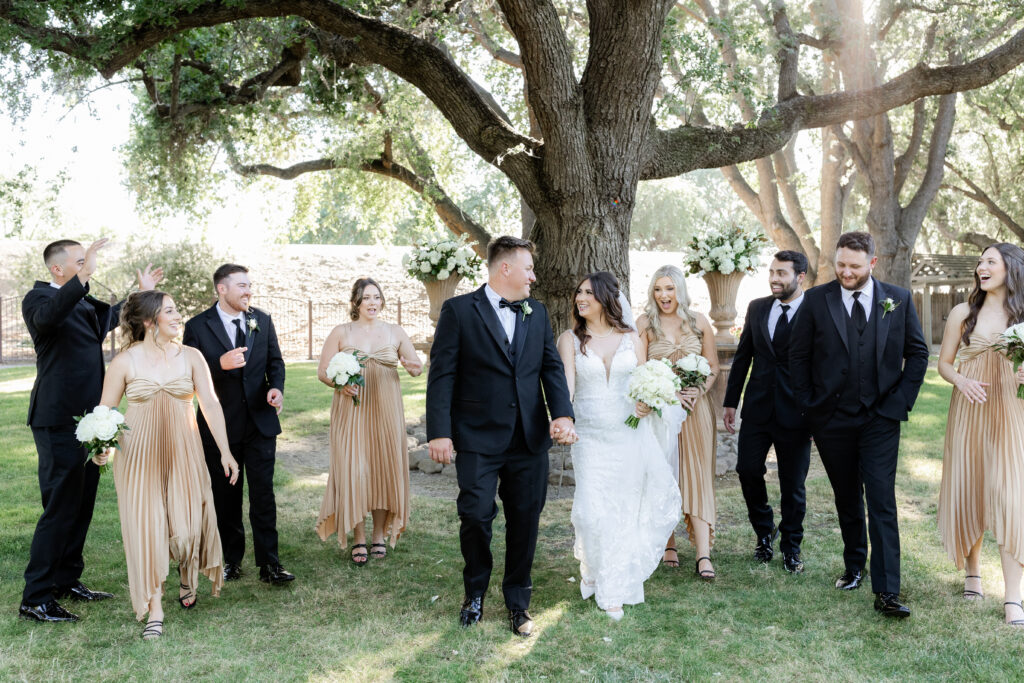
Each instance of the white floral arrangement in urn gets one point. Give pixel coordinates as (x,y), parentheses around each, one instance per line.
(438,258)
(731,250)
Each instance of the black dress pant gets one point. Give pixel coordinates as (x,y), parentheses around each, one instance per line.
(859,453)
(68,488)
(523,489)
(255,454)
(793,452)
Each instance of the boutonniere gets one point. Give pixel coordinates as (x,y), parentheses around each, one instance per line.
(525,307)
(250,322)
(888,305)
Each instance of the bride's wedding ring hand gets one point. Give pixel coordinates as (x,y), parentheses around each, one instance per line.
(641,409)
(972,389)
(441,450)
(563,431)
(235,358)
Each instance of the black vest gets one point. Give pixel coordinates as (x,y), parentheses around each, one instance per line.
(861,390)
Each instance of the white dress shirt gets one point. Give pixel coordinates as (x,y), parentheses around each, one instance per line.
(867,291)
(776,313)
(506,316)
(229,326)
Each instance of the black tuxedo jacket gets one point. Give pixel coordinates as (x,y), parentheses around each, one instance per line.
(67,327)
(769,395)
(475,393)
(819,354)
(242,392)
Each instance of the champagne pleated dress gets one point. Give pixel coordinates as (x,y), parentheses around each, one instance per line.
(697,442)
(369,467)
(163,491)
(983,460)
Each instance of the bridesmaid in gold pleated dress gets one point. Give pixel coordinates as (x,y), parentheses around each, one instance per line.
(163,486)
(669,329)
(983,462)
(369,470)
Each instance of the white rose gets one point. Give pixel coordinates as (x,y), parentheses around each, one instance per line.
(739,244)
(434,257)
(84,432)
(450,263)
(743,263)
(706,264)
(689,362)
(424,267)
(726,267)
(100,411)
(106,429)
(703,366)
(443,275)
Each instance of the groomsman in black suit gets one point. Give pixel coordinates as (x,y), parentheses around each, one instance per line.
(67,327)
(770,414)
(240,346)
(857,361)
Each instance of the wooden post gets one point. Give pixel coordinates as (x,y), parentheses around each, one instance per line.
(309,318)
(1,331)
(926,315)
(399,314)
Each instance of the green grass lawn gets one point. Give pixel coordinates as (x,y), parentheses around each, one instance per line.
(396,619)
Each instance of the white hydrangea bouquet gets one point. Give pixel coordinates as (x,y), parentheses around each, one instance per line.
(655,384)
(1011,342)
(438,259)
(100,430)
(692,370)
(725,251)
(345,368)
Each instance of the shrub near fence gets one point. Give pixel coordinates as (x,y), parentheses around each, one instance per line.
(302,325)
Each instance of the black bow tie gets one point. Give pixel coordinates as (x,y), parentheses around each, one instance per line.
(516,306)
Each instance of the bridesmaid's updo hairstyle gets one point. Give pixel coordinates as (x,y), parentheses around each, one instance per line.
(1013,304)
(606,291)
(140,308)
(357,296)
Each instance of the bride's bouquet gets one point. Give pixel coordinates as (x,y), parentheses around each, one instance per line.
(692,370)
(100,430)
(346,368)
(1011,342)
(654,384)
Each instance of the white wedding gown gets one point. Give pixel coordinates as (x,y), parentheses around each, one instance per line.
(627,501)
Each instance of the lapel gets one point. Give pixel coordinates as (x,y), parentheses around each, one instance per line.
(834,300)
(763,326)
(490,320)
(217,327)
(250,335)
(882,328)
(519,339)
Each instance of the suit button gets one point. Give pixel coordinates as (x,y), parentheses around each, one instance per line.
(511,405)
(837,395)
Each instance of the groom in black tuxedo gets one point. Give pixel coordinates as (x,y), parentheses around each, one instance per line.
(770,414)
(857,359)
(240,346)
(493,364)
(67,327)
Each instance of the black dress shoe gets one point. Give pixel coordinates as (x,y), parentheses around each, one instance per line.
(792,563)
(472,611)
(850,580)
(232,571)
(80,593)
(275,574)
(521,622)
(763,551)
(48,611)
(889,605)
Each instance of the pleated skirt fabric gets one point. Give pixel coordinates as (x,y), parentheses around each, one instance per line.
(983,459)
(369,468)
(163,492)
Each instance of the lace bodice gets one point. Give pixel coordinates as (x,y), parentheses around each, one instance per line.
(601,393)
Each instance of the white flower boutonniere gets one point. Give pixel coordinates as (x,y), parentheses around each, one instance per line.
(888,305)
(251,323)
(525,308)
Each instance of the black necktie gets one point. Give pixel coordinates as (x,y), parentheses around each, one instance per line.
(514,305)
(781,337)
(239,335)
(860,319)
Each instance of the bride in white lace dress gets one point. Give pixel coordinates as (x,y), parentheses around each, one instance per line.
(626,501)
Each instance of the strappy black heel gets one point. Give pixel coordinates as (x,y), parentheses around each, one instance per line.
(1019,623)
(706,574)
(378,554)
(153,630)
(670,563)
(972,595)
(182,599)
(359,559)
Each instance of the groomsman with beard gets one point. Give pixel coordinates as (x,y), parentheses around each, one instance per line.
(240,346)
(857,361)
(67,327)
(770,414)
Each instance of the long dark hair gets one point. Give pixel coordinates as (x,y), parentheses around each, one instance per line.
(1013,304)
(606,291)
(139,309)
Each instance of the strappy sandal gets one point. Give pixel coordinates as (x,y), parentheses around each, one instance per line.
(1019,623)
(707,574)
(378,554)
(182,599)
(359,559)
(972,595)
(153,630)
(670,563)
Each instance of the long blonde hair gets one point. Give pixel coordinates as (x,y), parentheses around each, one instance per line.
(653,311)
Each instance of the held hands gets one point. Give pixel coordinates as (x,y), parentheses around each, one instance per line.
(276,399)
(563,431)
(729,420)
(972,389)
(235,358)
(441,450)
(149,278)
(230,466)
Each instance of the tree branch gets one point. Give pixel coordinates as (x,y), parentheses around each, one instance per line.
(980,196)
(942,128)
